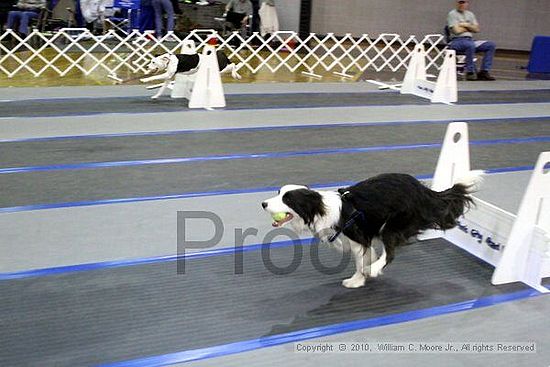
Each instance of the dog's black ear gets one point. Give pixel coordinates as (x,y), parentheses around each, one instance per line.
(306,203)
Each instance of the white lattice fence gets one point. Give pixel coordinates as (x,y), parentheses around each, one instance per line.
(70,49)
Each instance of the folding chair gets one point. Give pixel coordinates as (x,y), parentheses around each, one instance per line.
(58,14)
(122,15)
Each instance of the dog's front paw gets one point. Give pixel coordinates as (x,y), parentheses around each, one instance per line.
(356,281)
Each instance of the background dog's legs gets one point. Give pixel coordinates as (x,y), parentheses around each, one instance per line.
(161,89)
(358,279)
(231,68)
(234,73)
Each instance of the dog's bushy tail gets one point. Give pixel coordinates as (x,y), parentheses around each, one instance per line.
(457,199)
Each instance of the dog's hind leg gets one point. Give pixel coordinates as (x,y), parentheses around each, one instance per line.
(358,279)
(376,265)
(392,240)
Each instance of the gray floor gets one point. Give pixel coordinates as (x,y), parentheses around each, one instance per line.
(231,142)
(136,105)
(91,234)
(145,225)
(255,88)
(52,187)
(490,325)
(25,128)
(150,309)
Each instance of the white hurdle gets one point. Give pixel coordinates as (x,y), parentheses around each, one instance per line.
(518,246)
(444,90)
(208,89)
(183,82)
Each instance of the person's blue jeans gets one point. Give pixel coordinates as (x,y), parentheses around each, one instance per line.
(166,6)
(23,17)
(146,18)
(466,46)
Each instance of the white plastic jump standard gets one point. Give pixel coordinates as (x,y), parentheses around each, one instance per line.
(518,246)
(454,159)
(208,89)
(527,252)
(444,90)
(453,163)
(183,82)
(415,71)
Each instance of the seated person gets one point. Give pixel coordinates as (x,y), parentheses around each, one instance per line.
(24,11)
(237,13)
(462,24)
(5,7)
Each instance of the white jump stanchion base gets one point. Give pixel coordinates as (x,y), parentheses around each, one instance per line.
(522,258)
(444,90)
(517,245)
(453,163)
(343,75)
(183,86)
(208,89)
(416,70)
(383,86)
(183,82)
(454,160)
(313,75)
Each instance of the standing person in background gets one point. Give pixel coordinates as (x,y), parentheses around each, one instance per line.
(146,16)
(24,11)
(255,15)
(268,17)
(160,7)
(462,24)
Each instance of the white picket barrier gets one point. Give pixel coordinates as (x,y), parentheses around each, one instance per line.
(517,245)
(69,49)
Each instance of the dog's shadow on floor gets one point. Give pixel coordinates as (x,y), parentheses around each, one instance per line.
(377,298)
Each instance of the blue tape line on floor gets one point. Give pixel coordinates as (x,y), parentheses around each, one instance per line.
(270,128)
(267,155)
(151,260)
(420,102)
(319,332)
(23,208)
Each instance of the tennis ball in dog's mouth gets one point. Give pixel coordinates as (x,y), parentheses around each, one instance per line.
(279,216)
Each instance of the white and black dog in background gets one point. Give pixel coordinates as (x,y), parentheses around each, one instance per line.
(183,63)
(389,208)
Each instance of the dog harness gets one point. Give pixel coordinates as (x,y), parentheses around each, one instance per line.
(356,214)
